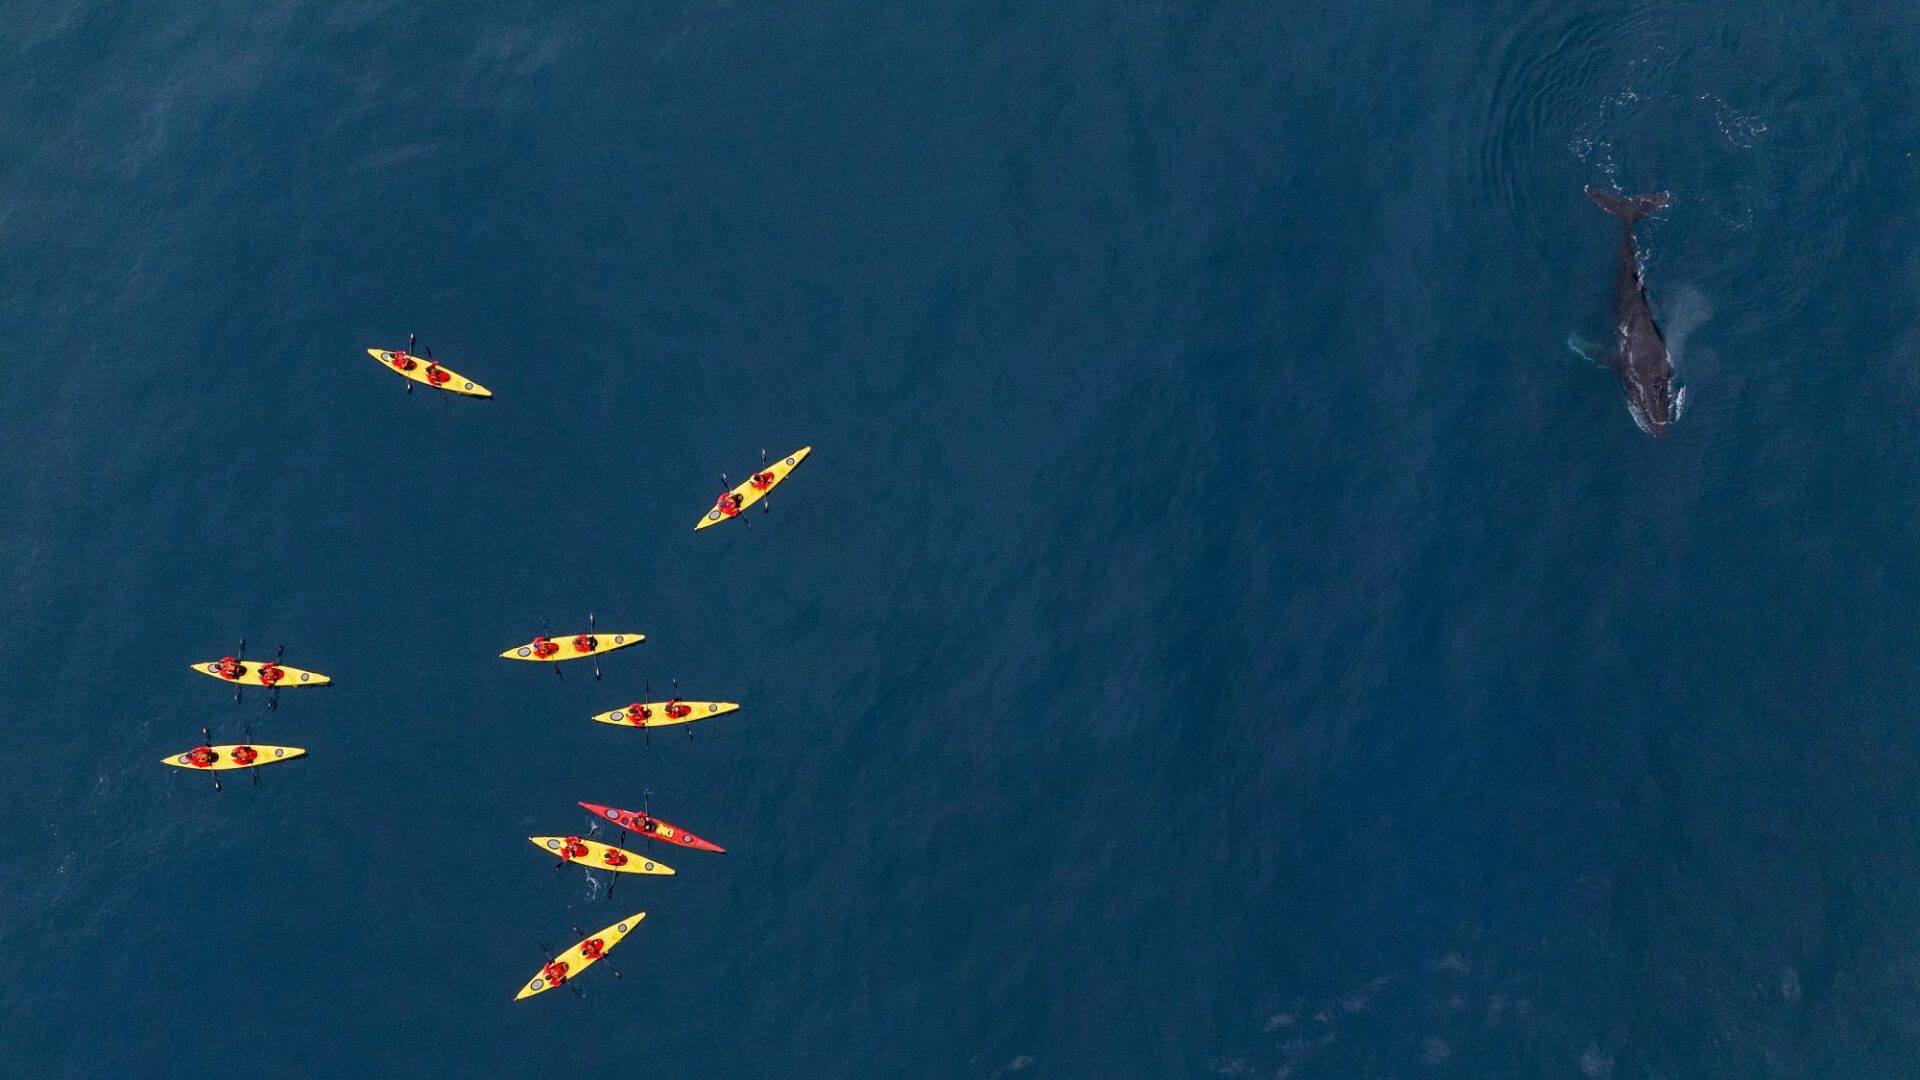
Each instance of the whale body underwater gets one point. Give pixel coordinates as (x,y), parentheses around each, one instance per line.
(1640,353)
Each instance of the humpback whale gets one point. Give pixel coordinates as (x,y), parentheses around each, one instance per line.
(1639,354)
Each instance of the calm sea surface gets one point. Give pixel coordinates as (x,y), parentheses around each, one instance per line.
(1223,629)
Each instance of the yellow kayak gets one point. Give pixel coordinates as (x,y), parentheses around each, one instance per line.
(653,714)
(599,856)
(427,373)
(755,489)
(223,757)
(569,964)
(248,674)
(572,646)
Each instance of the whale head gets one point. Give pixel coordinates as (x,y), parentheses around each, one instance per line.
(1654,402)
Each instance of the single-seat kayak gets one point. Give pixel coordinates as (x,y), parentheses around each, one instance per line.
(427,372)
(585,952)
(651,827)
(598,856)
(571,646)
(262,673)
(652,714)
(756,488)
(232,756)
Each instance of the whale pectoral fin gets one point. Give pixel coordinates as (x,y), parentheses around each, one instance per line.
(1590,351)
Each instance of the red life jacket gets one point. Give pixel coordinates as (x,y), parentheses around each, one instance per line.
(677,710)
(402,361)
(244,755)
(613,858)
(729,504)
(270,674)
(639,714)
(762,481)
(584,643)
(438,377)
(544,648)
(593,948)
(229,668)
(573,848)
(202,756)
(556,972)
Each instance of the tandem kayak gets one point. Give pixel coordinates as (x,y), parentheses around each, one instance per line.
(585,952)
(651,827)
(232,756)
(595,855)
(428,373)
(571,646)
(755,489)
(654,714)
(248,674)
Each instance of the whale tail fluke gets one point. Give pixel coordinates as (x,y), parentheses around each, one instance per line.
(1627,209)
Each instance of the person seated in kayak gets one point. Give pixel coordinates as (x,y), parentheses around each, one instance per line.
(593,949)
(543,648)
(556,972)
(638,714)
(648,825)
(402,361)
(435,374)
(202,757)
(245,755)
(614,857)
(762,481)
(270,673)
(229,668)
(729,504)
(675,710)
(585,643)
(572,848)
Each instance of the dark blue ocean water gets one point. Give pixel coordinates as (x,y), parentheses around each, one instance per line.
(1222,630)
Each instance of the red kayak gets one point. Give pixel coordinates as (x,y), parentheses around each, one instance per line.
(650,827)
